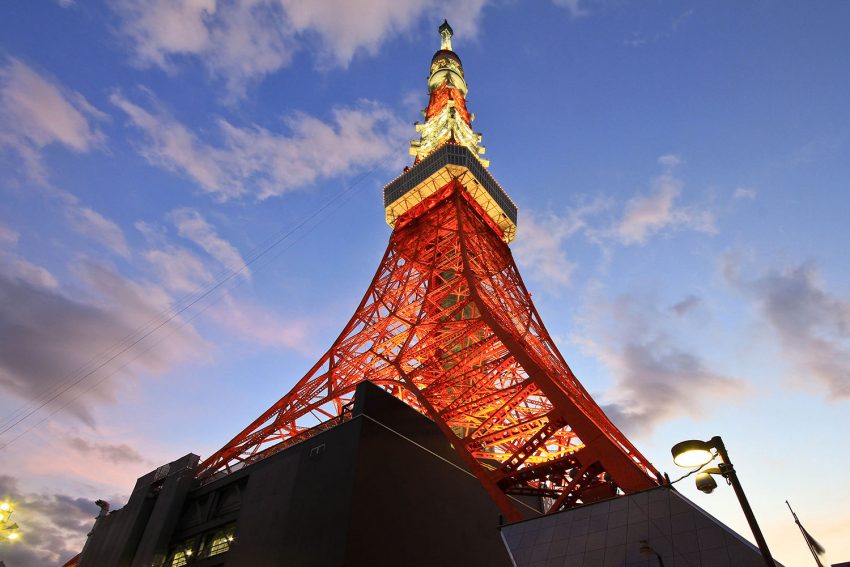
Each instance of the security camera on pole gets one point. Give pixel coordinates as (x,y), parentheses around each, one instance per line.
(696,454)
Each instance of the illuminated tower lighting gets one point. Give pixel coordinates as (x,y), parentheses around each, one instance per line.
(448,326)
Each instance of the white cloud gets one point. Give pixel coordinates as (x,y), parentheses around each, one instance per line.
(744,193)
(669,161)
(656,376)
(97,227)
(112,452)
(37,112)
(574,7)
(179,270)
(154,234)
(348,27)
(540,241)
(49,335)
(8,236)
(257,326)
(811,323)
(191,225)
(239,41)
(646,215)
(31,273)
(16,268)
(258,161)
(242,41)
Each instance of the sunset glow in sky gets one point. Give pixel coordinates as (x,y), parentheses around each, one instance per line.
(682,171)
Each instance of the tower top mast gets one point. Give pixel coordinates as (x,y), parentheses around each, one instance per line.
(446,119)
(446,33)
(448,148)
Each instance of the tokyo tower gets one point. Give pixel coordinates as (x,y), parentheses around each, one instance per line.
(448,326)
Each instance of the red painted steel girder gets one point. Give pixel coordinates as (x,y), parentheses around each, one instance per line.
(448,326)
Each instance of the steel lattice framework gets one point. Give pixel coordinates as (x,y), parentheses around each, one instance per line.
(448,327)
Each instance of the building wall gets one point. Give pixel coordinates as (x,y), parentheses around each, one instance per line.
(610,533)
(384,488)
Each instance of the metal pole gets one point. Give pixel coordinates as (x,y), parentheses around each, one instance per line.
(728,472)
(805,536)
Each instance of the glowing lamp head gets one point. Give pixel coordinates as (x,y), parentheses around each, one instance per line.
(13,536)
(5,506)
(692,453)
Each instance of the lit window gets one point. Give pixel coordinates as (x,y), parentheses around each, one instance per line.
(180,559)
(219,541)
(182,553)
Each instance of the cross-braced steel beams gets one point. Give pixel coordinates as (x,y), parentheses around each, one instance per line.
(448,326)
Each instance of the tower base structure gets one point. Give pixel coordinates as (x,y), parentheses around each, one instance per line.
(383,487)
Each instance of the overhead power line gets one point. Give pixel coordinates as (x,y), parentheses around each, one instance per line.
(162,319)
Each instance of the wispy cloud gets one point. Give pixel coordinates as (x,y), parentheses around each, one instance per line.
(637,39)
(539,247)
(99,228)
(747,193)
(259,326)
(263,163)
(48,335)
(656,377)
(686,305)
(657,211)
(53,525)
(811,323)
(24,271)
(8,235)
(576,8)
(182,271)
(178,269)
(239,41)
(242,41)
(192,226)
(17,268)
(37,111)
(113,452)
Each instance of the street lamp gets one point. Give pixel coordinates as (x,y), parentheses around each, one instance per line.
(696,454)
(7,530)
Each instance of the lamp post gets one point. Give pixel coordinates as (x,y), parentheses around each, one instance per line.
(695,453)
(8,530)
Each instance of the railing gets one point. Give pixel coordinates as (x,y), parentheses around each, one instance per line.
(449,154)
(344,416)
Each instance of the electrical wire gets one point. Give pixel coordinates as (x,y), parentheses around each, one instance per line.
(697,469)
(166,316)
(181,325)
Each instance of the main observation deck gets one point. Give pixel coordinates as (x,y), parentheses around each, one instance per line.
(451,161)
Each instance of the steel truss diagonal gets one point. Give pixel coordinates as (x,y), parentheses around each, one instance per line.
(448,327)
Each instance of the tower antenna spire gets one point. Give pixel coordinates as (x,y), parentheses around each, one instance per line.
(446,33)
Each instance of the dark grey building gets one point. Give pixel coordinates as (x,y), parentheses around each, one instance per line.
(382,488)
(656,527)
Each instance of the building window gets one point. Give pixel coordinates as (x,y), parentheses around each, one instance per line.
(218,541)
(180,559)
(183,553)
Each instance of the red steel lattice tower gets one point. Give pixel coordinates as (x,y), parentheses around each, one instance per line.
(448,327)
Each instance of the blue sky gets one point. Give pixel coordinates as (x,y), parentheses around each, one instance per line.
(681,170)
